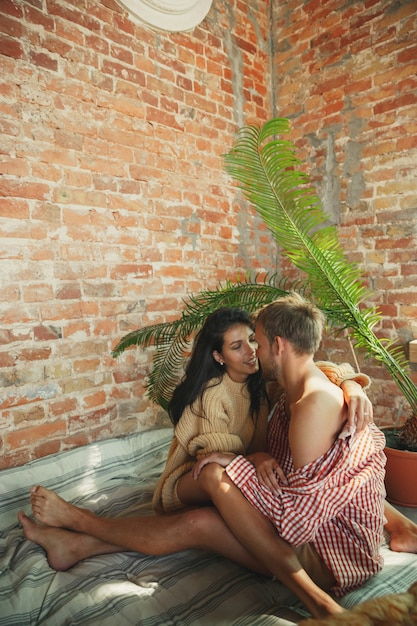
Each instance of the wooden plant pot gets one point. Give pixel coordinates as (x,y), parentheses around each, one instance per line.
(401,477)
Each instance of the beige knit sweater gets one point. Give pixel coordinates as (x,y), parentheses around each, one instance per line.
(222,422)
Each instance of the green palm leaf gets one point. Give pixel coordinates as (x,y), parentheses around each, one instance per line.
(172,339)
(265,169)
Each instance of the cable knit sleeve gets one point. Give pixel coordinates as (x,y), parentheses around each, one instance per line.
(338,374)
(212,442)
(224,424)
(221,422)
(214,433)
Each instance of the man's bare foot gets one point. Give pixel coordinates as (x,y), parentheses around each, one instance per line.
(50,509)
(61,546)
(404,538)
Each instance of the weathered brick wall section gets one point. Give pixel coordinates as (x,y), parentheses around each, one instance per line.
(346,75)
(113,202)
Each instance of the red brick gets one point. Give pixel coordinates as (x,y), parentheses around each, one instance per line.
(35,354)
(69,292)
(7,359)
(17,189)
(8,7)
(409,54)
(11,47)
(46,333)
(132,271)
(44,60)
(34,434)
(94,400)
(37,293)
(29,414)
(396,103)
(16,458)
(63,407)
(94,420)
(86,365)
(46,448)
(13,208)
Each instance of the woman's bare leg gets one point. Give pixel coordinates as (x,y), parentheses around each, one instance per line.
(154,535)
(403,531)
(252,540)
(190,491)
(259,536)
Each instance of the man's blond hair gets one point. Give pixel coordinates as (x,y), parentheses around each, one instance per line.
(295,319)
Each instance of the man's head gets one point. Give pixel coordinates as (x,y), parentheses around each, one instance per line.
(292,318)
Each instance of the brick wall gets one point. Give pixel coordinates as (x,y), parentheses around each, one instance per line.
(346,75)
(113,202)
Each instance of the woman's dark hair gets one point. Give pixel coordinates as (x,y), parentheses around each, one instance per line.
(202,367)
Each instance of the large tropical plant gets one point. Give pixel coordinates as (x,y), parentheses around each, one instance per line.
(267,170)
(171,340)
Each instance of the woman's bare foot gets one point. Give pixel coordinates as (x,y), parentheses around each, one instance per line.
(404,538)
(50,509)
(64,548)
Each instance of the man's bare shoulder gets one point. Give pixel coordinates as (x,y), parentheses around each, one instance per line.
(319,389)
(316,420)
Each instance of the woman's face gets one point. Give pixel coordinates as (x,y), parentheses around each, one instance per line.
(238,352)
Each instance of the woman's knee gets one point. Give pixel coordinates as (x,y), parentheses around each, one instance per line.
(210,476)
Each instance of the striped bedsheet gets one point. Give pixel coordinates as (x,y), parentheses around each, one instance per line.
(117,478)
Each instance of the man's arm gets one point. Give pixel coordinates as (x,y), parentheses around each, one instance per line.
(360,410)
(353,383)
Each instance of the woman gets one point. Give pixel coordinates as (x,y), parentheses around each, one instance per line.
(218,406)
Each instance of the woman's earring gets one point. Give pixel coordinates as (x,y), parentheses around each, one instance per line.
(221,362)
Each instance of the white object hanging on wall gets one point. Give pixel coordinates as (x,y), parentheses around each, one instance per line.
(169,15)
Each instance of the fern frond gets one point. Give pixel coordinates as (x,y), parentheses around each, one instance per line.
(267,170)
(166,370)
(144,337)
(172,340)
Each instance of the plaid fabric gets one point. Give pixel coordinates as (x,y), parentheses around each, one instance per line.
(336,502)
